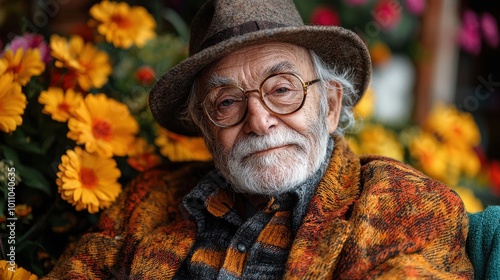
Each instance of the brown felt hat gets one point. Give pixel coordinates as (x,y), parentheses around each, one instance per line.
(223,26)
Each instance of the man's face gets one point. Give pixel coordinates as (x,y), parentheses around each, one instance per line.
(268,153)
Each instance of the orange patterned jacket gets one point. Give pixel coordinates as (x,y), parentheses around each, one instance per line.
(401,225)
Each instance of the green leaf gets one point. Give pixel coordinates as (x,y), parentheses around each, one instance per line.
(10,154)
(19,140)
(179,24)
(33,178)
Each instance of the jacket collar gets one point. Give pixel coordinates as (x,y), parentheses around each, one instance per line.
(324,230)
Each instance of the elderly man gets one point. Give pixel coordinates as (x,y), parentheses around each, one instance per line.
(285,197)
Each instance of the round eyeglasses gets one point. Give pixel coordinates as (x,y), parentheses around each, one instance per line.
(282,94)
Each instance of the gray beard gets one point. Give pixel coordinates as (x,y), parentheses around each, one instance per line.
(277,171)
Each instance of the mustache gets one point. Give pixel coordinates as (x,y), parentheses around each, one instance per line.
(282,137)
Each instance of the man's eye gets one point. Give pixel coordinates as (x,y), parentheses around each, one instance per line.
(226,103)
(281,90)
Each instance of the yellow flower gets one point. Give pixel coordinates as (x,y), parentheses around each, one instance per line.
(60,105)
(122,25)
(470,163)
(458,128)
(365,107)
(471,202)
(88,181)
(376,139)
(90,65)
(142,155)
(181,148)
(353,144)
(433,158)
(104,125)
(465,159)
(10,271)
(23,65)
(12,103)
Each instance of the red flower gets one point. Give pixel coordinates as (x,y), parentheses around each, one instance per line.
(325,16)
(387,13)
(64,79)
(495,177)
(145,75)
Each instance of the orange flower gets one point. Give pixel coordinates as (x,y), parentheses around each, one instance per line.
(10,271)
(122,25)
(22,64)
(181,148)
(22,210)
(103,125)
(90,66)
(58,104)
(88,181)
(142,156)
(12,103)
(380,53)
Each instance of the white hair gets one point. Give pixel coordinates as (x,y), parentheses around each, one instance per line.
(325,74)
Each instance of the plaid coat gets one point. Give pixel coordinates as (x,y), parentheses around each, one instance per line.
(370,218)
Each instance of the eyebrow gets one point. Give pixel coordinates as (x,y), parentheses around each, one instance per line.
(283,66)
(216,80)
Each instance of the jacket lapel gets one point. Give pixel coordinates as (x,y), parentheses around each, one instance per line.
(324,230)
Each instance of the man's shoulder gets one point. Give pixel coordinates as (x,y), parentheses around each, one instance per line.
(388,177)
(171,181)
(174,171)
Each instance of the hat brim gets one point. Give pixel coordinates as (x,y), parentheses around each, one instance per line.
(338,47)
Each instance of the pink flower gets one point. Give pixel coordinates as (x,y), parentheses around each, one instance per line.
(387,13)
(325,16)
(489,29)
(469,36)
(356,2)
(31,41)
(416,7)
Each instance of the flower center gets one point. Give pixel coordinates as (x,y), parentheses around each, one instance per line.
(88,178)
(15,68)
(102,129)
(121,21)
(63,107)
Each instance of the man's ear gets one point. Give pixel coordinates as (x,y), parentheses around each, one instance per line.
(335,93)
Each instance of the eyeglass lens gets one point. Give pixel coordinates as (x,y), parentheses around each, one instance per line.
(281,94)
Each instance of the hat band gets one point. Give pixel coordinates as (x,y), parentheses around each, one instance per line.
(244,28)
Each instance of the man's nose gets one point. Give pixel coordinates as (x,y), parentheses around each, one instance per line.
(259,119)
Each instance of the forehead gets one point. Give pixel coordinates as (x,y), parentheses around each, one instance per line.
(251,64)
